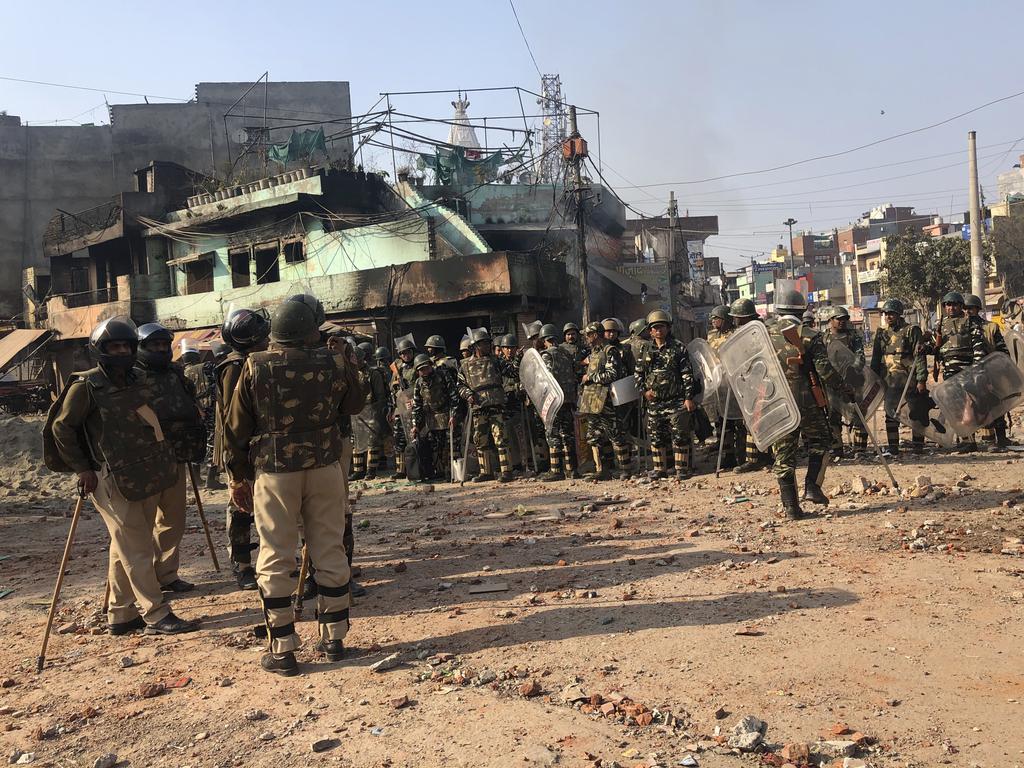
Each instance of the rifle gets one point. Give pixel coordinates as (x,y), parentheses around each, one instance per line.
(792,335)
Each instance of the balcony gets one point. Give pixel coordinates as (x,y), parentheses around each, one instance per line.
(869,276)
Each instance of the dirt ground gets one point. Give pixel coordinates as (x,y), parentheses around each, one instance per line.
(633,622)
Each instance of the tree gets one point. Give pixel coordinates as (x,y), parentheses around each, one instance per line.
(921,269)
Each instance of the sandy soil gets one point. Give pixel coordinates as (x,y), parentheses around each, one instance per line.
(638,621)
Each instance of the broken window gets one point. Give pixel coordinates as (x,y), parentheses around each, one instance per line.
(294,252)
(199,275)
(238,263)
(266,255)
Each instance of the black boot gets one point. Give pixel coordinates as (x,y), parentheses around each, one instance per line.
(245,576)
(334,650)
(790,501)
(283,664)
(1001,444)
(812,489)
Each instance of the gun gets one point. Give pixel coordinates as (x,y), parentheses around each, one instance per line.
(792,335)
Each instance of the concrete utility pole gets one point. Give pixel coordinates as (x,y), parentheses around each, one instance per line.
(792,268)
(977,262)
(673,213)
(574,150)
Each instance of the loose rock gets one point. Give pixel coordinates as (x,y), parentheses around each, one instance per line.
(108,760)
(747,734)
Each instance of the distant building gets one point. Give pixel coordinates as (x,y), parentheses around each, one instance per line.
(813,249)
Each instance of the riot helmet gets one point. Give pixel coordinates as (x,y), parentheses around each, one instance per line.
(791,302)
(110,330)
(294,323)
(971,301)
(742,308)
(314,304)
(149,333)
(245,328)
(436,342)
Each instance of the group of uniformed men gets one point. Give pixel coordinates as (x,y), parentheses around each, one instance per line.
(293,421)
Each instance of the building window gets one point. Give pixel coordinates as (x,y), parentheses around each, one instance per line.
(266,256)
(238,262)
(294,253)
(199,275)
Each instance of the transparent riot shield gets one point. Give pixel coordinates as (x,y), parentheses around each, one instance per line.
(895,390)
(714,385)
(1015,346)
(624,391)
(980,394)
(541,387)
(759,385)
(407,336)
(367,426)
(922,415)
(857,374)
(403,409)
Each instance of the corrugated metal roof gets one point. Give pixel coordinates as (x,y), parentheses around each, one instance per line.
(626,283)
(16,342)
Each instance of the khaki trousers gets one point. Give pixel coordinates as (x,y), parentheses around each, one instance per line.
(131,574)
(170,528)
(282,501)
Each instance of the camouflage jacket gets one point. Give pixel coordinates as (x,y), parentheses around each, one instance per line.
(578,353)
(666,371)
(173,398)
(898,351)
(959,341)
(717,338)
(603,369)
(204,381)
(434,400)
(482,378)
(992,334)
(815,357)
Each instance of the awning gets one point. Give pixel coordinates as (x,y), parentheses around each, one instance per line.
(16,342)
(626,283)
(208,255)
(201,337)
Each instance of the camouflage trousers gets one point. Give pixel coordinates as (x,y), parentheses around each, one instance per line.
(668,424)
(817,438)
(489,429)
(606,427)
(434,460)
(240,544)
(835,422)
(563,430)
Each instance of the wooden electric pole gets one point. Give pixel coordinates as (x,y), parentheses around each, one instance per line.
(574,151)
(977,262)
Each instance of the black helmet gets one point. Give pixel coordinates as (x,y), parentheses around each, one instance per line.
(150,332)
(381,354)
(893,306)
(245,328)
(294,323)
(532,329)
(189,354)
(114,329)
(721,312)
(405,345)
(790,302)
(548,331)
(570,327)
(953,297)
(971,300)
(314,304)
(367,348)
(219,349)
(742,308)
(420,360)
(436,342)
(508,341)
(480,334)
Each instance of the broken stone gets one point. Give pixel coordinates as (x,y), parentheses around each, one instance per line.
(530,688)
(126,661)
(67,629)
(225,682)
(796,753)
(322,745)
(254,715)
(108,760)
(747,734)
(24,758)
(266,736)
(487,676)
(835,749)
(573,692)
(151,690)
(854,762)
(399,702)
(388,662)
(919,544)
(923,481)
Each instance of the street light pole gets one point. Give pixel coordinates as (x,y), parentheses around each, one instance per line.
(792,269)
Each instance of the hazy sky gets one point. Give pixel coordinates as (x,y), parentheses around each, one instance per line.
(686,90)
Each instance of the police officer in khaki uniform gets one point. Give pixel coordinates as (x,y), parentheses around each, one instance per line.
(173,398)
(282,433)
(103,428)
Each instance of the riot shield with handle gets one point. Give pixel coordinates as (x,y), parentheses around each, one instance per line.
(403,409)
(407,337)
(869,390)
(922,415)
(624,391)
(1015,346)
(759,385)
(541,387)
(714,389)
(978,395)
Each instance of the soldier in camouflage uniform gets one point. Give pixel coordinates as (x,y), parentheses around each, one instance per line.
(604,430)
(402,376)
(575,347)
(244,331)
(664,377)
(103,428)
(368,426)
(741,312)
(898,352)
(173,398)
(804,365)
(810,320)
(203,376)
(561,438)
(838,330)
(282,434)
(594,337)
(958,344)
(507,349)
(534,426)
(435,401)
(995,433)
(736,434)
(480,385)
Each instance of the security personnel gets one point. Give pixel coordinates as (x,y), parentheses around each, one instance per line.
(741,312)
(435,400)
(373,418)
(480,385)
(898,353)
(465,348)
(995,432)
(809,319)
(594,336)
(575,347)
(634,346)
(959,343)
(244,331)
(531,420)
(561,438)
(838,330)
(736,434)
(664,377)
(807,368)
(204,380)
(438,351)
(507,349)
(402,376)
(604,431)
(173,397)
(282,434)
(381,357)
(103,428)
